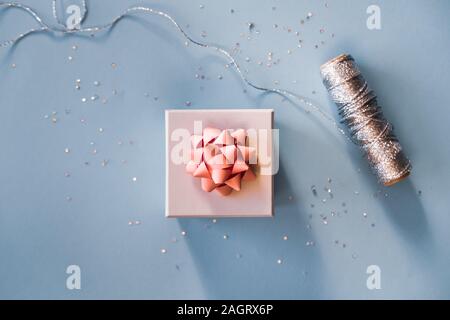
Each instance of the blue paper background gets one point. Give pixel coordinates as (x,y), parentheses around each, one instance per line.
(41,232)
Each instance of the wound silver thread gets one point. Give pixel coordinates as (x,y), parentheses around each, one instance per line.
(358,107)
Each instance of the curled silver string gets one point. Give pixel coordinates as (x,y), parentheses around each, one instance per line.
(61,28)
(359,110)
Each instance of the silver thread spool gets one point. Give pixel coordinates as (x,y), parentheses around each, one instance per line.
(358,107)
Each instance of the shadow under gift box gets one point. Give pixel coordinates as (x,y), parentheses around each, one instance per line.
(184,194)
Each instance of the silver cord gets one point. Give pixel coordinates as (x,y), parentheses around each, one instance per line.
(358,107)
(142,9)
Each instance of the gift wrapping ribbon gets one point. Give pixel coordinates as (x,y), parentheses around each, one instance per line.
(222,159)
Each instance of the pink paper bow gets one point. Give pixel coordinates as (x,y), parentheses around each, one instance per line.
(221,159)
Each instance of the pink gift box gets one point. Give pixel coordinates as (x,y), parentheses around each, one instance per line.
(184,194)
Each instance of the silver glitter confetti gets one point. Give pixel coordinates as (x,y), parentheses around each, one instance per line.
(314,191)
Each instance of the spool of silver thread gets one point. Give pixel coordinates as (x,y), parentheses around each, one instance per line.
(358,107)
